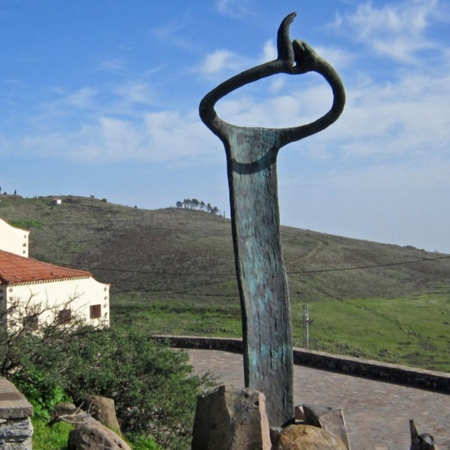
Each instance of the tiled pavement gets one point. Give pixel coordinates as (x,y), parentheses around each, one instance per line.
(377,414)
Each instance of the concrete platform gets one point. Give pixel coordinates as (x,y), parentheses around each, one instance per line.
(377,413)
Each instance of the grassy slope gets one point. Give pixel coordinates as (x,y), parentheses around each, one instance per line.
(172,271)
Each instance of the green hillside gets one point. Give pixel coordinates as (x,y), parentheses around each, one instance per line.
(172,271)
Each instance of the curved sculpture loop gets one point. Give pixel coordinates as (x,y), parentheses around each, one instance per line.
(251,162)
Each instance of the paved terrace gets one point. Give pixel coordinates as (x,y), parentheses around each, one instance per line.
(377,413)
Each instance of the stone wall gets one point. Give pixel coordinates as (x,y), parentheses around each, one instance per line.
(393,373)
(16,429)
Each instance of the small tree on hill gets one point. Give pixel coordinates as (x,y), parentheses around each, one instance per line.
(196,204)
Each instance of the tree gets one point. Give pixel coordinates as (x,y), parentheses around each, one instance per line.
(197,204)
(152,385)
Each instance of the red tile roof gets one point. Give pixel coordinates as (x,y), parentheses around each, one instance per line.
(16,269)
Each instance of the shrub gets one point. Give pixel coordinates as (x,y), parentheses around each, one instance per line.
(152,385)
(41,390)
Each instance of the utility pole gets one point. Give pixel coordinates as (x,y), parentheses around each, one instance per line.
(306,322)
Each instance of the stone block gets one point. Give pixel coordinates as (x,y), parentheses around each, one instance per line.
(16,429)
(12,403)
(307,437)
(94,435)
(231,419)
(327,418)
(102,409)
(16,434)
(422,441)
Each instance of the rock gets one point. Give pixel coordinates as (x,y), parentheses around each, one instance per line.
(299,414)
(275,434)
(16,429)
(307,437)
(231,419)
(94,435)
(103,410)
(327,418)
(422,441)
(89,433)
(64,409)
(68,412)
(15,434)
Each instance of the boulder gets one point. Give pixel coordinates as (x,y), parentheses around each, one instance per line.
(64,409)
(68,412)
(89,433)
(102,409)
(307,437)
(422,441)
(327,418)
(231,419)
(94,435)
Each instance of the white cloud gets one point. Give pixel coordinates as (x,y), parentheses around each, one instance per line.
(112,65)
(216,61)
(179,138)
(107,139)
(82,98)
(269,51)
(177,32)
(337,57)
(136,92)
(167,136)
(221,60)
(397,30)
(277,102)
(408,118)
(235,8)
(227,63)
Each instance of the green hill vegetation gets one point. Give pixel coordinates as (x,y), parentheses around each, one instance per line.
(172,272)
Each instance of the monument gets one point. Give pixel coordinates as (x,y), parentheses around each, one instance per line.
(252,176)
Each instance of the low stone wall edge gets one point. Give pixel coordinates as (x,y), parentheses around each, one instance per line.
(375,370)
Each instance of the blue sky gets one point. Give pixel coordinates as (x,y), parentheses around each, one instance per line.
(101,97)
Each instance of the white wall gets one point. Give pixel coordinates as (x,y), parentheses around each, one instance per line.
(13,240)
(78,295)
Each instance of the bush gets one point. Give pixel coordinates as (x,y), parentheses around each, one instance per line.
(42,391)
(152,385)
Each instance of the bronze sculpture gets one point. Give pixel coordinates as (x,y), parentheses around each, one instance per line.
(252,175)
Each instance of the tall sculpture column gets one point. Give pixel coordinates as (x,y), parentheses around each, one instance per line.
(252,176)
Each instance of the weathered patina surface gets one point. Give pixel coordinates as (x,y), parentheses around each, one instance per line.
(252,175)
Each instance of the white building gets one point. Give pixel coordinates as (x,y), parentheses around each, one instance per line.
(38,292)
(13,239)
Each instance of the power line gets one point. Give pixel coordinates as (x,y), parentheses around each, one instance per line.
(156,272)
(290,272)
(374,266)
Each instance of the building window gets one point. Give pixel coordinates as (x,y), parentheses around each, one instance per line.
(64,316)
(95,312)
